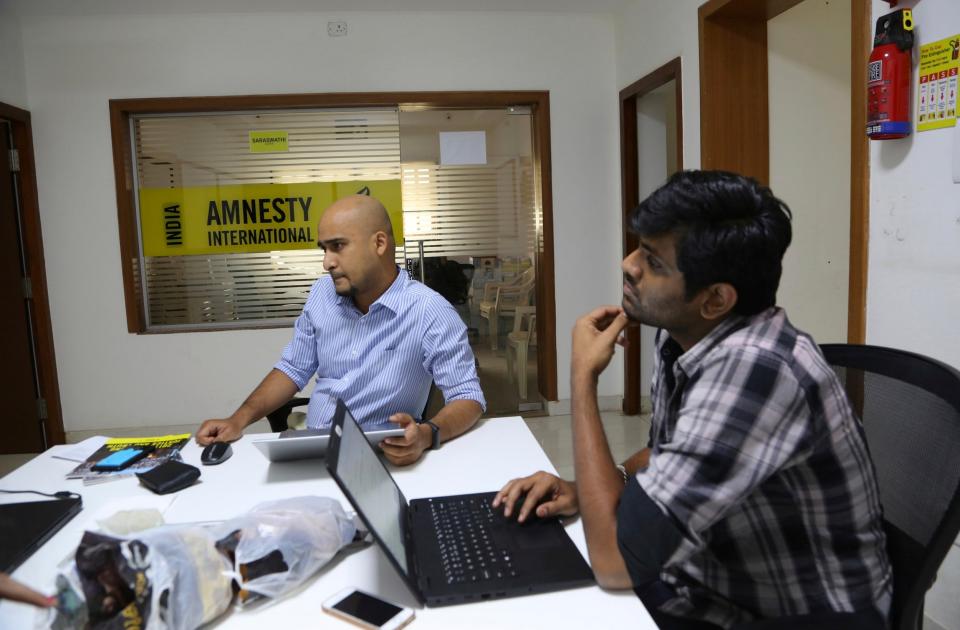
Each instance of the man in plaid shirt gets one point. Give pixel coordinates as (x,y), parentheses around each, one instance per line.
(756,498)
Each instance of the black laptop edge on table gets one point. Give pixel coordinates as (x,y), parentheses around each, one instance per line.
(26,526)
(549,560)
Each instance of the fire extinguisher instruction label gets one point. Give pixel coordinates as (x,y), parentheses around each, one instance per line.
(937,78)
(875,71)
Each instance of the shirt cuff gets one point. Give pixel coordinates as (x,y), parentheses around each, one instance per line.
(474,395)
(293,374)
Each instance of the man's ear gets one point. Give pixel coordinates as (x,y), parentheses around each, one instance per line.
(720,300)
(381,241)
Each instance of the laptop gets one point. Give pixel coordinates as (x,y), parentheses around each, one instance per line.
(24,527)
(455,549)
(312,443)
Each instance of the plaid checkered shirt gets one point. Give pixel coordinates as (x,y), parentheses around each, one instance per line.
(759,461)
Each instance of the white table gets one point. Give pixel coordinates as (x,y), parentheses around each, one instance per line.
(494,452)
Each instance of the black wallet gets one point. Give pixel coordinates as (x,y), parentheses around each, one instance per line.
(169,476)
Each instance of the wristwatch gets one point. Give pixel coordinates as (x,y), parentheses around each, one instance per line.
(435,443)
(623,473)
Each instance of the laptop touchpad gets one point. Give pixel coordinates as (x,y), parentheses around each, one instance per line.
(534,534)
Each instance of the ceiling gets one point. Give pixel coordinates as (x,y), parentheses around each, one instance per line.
(163,7)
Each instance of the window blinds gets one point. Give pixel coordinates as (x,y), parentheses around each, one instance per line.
(182,151)
(456,211)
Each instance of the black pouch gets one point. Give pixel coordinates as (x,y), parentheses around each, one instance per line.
(169,477)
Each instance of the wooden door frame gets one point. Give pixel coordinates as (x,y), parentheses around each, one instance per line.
(630,187)
(19,119)
(735,123)
(538,101)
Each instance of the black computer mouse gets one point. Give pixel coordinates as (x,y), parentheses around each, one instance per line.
(216,453)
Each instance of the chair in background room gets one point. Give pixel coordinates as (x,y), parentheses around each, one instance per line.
(910,407)
(502,298)
(448,278)
(518,343)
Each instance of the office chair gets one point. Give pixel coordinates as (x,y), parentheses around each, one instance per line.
(278,417)
(910,407)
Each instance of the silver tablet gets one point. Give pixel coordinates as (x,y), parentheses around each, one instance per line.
(311,443)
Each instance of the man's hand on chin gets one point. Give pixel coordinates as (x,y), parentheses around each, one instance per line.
(594,337)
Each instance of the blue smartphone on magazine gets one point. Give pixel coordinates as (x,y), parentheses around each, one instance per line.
(121,459)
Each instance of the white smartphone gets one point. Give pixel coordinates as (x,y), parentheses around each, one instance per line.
(367,611)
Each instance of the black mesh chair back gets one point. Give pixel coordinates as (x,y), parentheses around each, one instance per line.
(278,417)
(910,407)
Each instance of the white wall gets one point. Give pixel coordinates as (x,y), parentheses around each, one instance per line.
(13,83)
(915,224)
(809,90)
(656,160)
(646,39)
(109,378)
(913,290)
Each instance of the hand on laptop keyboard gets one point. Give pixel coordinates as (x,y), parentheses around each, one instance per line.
(468,549)
(549,494)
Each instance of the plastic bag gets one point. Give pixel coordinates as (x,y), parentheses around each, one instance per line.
(277,545)
(182,576)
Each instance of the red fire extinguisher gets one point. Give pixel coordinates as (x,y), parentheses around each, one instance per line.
(888,77)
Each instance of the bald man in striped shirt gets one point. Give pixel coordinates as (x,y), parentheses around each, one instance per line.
(374,338)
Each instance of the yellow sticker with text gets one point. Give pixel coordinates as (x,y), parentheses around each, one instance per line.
(269,142)
(246,218)
(937,78)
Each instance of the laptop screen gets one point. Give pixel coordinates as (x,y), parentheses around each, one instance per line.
(373,490)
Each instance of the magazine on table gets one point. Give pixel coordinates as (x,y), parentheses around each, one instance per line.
(164,448)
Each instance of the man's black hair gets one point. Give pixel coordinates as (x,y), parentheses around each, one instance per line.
(727,227)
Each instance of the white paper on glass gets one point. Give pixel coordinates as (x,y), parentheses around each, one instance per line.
(463,147)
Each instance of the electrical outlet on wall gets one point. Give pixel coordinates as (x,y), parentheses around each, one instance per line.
(336,29)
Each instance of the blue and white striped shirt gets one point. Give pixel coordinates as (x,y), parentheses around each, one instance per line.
(383,362)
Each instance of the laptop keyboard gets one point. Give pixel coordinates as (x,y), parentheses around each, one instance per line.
(468,552)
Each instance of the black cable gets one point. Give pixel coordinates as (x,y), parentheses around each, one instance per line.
(63,494)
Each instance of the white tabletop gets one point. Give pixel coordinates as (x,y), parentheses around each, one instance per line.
(483,460)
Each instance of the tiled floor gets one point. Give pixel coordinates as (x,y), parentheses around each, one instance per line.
(625,434)
(12,462)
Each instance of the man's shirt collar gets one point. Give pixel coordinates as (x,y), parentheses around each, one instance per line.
(688,360)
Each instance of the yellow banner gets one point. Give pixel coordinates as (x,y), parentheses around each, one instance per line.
(268,142)
(248,218)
